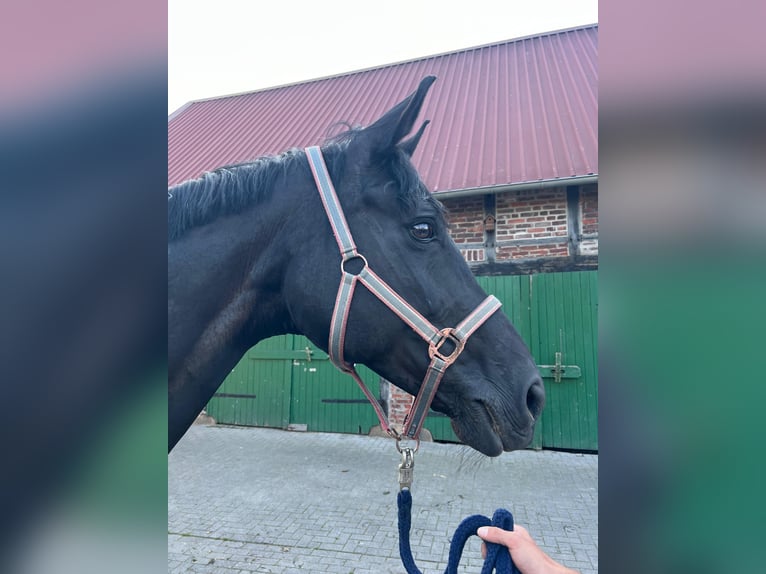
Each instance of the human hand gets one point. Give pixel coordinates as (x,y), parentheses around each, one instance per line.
(526,554)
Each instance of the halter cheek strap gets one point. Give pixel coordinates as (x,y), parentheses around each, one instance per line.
(434,337)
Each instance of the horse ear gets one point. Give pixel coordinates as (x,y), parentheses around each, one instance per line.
(397,122)
(408,146)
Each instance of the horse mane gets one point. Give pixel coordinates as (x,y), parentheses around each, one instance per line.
(231,188)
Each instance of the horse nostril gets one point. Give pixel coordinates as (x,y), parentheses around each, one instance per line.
(536,398)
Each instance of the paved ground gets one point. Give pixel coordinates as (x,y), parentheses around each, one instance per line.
(244,500)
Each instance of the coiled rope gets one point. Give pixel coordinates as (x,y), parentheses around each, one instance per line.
(498,558)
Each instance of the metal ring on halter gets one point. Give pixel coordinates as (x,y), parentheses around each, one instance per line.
(399,447)
(447,335)
(351,257)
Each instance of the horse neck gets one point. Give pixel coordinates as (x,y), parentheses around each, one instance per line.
(223,283)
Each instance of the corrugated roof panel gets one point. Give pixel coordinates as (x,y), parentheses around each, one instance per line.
(516,111)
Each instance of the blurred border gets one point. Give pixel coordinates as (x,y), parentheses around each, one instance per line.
(82,224)
(682,99)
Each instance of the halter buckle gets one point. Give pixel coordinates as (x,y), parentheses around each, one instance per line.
(449,334)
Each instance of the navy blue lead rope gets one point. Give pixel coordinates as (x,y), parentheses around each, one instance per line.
(498,558)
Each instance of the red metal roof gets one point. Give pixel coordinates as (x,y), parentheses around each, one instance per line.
(510,112)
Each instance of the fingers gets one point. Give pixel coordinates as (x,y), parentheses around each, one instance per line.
(527,556)
(496,535)
(492,534)
(511,539)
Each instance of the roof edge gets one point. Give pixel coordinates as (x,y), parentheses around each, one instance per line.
(537,184)
(389,65)
(179,110)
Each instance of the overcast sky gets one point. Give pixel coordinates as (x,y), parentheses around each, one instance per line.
(219,47)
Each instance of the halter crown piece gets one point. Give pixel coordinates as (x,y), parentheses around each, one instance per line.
(435,338)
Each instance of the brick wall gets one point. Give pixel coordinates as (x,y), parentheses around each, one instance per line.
(589,220)
(531,214)
(530,224)
(589,209)
(466,217)
(399,403)
(506,252)
(476,255)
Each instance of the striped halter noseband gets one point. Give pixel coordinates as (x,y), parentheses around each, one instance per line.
(435,338)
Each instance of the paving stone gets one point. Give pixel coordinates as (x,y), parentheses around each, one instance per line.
(264,500)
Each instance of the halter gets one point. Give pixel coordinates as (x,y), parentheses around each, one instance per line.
(436,338)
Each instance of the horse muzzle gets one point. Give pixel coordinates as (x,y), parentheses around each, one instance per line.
(493,426)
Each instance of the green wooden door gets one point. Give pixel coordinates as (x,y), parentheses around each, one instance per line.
(553,313)
(564,320)
(257,391)
(326,400)
(287,380)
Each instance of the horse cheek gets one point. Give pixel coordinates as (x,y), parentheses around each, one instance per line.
(309,298)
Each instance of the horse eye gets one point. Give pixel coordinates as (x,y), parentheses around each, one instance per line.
(422,231)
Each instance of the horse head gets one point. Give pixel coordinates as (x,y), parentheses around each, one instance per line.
(493,392)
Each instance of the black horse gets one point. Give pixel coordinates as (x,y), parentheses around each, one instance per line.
(251,255)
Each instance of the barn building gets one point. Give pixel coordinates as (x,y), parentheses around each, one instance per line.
(511,151)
